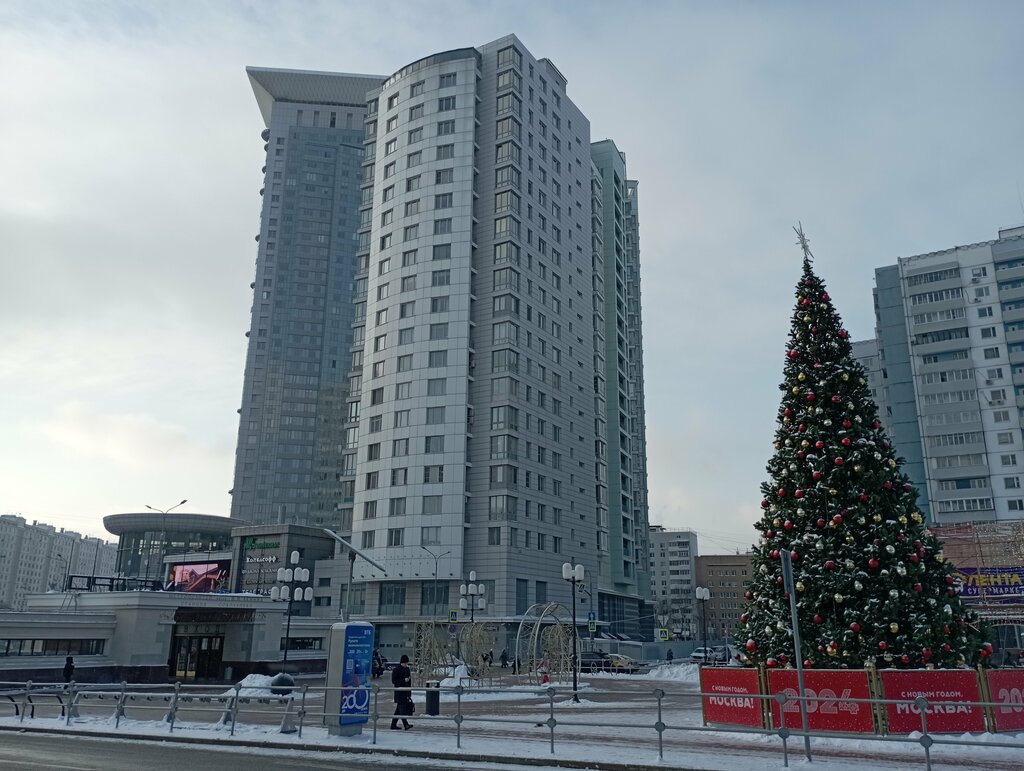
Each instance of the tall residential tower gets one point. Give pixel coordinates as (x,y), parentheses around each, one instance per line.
(460,407)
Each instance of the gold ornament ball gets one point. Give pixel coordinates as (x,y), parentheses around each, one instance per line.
(805,443)
(850,539)
(799,586)
(801,377)
(807,319)
(833,491)
(940,557)
(832,651)
(902,520)
(776,522)
(794,390)
(846,376)
(877,518)
(894,627)
(778,445)
(858,468)
(786,421)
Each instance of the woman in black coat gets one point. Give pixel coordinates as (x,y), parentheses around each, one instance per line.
(401,677)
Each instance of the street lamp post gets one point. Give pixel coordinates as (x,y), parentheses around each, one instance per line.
(574,574)
(704,595)
(437,559)
(290,591)
(163,535)
(472,598)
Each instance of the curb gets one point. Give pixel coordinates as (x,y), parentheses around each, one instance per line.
(592,765)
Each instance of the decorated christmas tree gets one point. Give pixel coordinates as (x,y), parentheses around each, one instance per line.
(872,584)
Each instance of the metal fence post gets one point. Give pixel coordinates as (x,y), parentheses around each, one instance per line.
(119,711)
(302,708)
(234,706)
(783,732)
(71,700)
(660,725)
(551,717)
(172,713)
(376,711)
(458,716)
(28,700)
(926,741)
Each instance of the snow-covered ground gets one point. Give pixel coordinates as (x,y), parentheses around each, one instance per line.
(613,723)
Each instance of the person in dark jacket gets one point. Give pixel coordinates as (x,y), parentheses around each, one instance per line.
(401,677)
(69,669)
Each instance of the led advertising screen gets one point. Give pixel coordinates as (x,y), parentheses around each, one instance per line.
(200,577)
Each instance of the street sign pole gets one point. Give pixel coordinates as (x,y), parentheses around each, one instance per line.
(787,580)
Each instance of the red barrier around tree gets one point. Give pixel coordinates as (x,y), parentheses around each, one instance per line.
(934,685)
(1007,687)
(733,696)
(830,711)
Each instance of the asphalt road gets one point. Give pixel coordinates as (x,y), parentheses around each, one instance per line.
(35,752)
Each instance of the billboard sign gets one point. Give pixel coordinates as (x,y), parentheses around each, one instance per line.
(730,696)
(828,705)
(356,671)
(1007,687)
(995,584)
(200,577)
(936,685)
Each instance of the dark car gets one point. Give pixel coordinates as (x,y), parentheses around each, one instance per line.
(595,661)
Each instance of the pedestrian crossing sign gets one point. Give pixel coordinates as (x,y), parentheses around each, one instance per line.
(453,616)
(662,634)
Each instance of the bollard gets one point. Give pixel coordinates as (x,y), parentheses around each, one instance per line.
(458,715)
(302,708)
(26,702)
(551,719)
(376,711)
(660,725)
(288,719)
(72,710)
(172,713)
(234,706)
(119,709)
(926,741)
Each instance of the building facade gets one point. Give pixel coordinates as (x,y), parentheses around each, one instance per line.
(467,426)
(36,558)
(673,572)
(950,335)
(725,576)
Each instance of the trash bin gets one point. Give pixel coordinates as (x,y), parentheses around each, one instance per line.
(433,697)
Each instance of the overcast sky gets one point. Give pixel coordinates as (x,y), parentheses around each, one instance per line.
(130,155)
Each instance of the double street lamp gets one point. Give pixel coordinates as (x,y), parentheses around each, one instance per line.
(291,592)
(437,559)
(163,536)
(574,574)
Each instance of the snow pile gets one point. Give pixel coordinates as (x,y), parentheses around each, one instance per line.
(253,686)
(458,676)
(680,673)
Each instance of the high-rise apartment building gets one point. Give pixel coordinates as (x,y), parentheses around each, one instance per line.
(673,572)
(465,425)
(725,576)
(950,337)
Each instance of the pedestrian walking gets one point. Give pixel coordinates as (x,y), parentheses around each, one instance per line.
(669,656)
(69,669)
(401,679)
(504,659)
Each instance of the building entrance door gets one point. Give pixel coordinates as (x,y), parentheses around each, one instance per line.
(196,657)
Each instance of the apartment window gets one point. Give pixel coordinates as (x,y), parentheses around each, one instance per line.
(400,476)
(389,170)
(391,124)
(375,424)
(412,207)
(443,201)
(992,353)
(389,193)
(408,283)
(413,159)
(1008,460)
(401,418)
(439,331)
(410,232)
(1004,437)
(431,504)
(442,252)
(416,88)
(436,386)
(380,342)
(440,278)
(399,448)
(407,309)
(985,313)
(404,363)
(1001,416)
(988,332)
(390,146)
(409,258)
(396,507)
(445,127)
(392,101)
(385,241)
(367,542)
(442,226)
(522,595)
(502,507)
(405,336)
(1011,483)
(432,445)
(1015,504)
(447,80)
(435,416)
(439,304)
(373,451)
(415,136)
(433,474)
(444,176)
(445,152)
(412,183)
(403,390)
(430,535)
(392,597)
(381,317)
(437,359)
(377,396)
(494,536)
(415,113)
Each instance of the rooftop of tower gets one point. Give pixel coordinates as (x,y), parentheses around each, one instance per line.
(342,89)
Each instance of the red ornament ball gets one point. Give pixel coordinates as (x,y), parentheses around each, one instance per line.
(787,412)
(771,663)
(792,354)
(926,653)
(798,494)
(945,647)
(782,492)
(918,588)
(873,563)
(913,558)
(788,524)
(810,397)
(817,619)
(835,400)
(748,595)
(830,564)
(855,627)
(846,441)
(905,658)
(769,534)
(808,664)
(840,461)
(793,556)
(837,519)
(847,423)
(863,497)
(819,445)
(751,645)
(821,523)
(883,645)
(887,485)
(783,658)
(765,504)
(816,475)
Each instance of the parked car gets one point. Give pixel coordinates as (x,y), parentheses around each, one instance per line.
(707,656)
(623,664)
(594,661)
